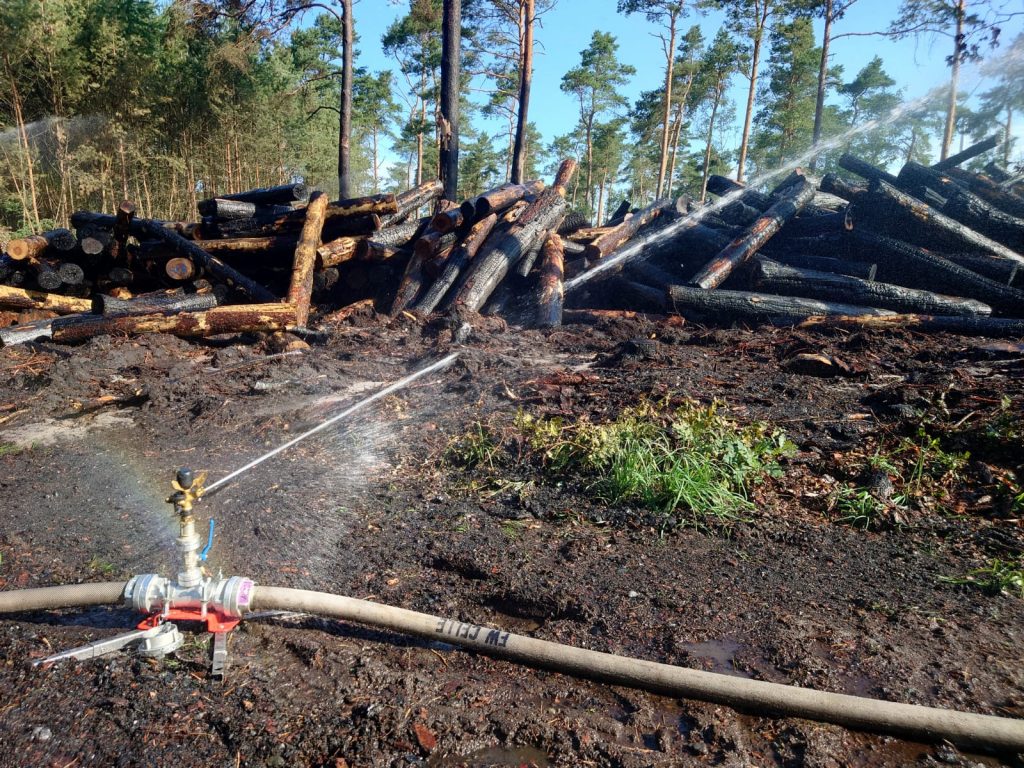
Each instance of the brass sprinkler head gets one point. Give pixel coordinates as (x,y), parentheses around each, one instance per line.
(188,488)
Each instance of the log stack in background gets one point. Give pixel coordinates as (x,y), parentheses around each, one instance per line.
(930,248)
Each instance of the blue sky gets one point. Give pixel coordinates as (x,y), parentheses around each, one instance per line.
(566,30)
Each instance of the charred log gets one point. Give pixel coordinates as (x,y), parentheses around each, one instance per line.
(745,246)
(865,170)
(910,265)
(972,151)
(456,263)
(773,277)
(745,305)
(887,210)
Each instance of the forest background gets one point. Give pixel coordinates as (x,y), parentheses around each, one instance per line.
(165,103)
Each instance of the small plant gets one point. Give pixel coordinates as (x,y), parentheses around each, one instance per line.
(9,449)
(473,448)
(859,508)
(930,464)
(98,565)
(997,577)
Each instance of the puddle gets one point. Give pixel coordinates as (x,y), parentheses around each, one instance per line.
(721,654)
(53,431)
(494,757)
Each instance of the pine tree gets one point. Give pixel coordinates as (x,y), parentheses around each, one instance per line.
(786,118)
(596,83)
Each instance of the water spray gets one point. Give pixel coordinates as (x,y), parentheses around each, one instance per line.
(193,594)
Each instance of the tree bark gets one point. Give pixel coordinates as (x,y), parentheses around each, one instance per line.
(965,326)
(498,199)
(954,80)
(670,59)
(345,115)
(16,298)
(751,95)
(609,241)
(551,293)
(285,194)
(773,277)
(300,291)
(864,169)
(840,187)
(451,39)
(906,264)
(742,248)
(447,221)
(457,262)
(525,81)
(337,251)
(410,201)
(234,319)
(173,300)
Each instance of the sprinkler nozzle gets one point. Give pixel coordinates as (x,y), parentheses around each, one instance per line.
(188,487)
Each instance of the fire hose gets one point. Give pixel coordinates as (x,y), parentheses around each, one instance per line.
(763,698)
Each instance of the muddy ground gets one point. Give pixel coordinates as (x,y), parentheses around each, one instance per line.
(90,436)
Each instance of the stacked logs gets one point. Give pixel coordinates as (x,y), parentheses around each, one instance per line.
(929,248)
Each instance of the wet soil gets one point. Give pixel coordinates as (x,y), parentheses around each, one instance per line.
(90,437)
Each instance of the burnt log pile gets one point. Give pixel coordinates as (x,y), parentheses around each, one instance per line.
(928,249)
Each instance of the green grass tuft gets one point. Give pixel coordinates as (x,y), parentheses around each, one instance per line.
(692,459)
(997,577)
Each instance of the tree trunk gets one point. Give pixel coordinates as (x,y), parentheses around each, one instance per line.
(819,106)
(345,117)
(751,94)
(965,326)
(234,319)
(26,147)
(906,264)
(677,131)
(590,161)
(16,298)
(670,59)
(954,80)
(707,147)
(963,156)
(525,81)
(451,42)
(865,170)
(609,241)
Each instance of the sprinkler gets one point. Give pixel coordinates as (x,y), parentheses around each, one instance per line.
(193,595)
